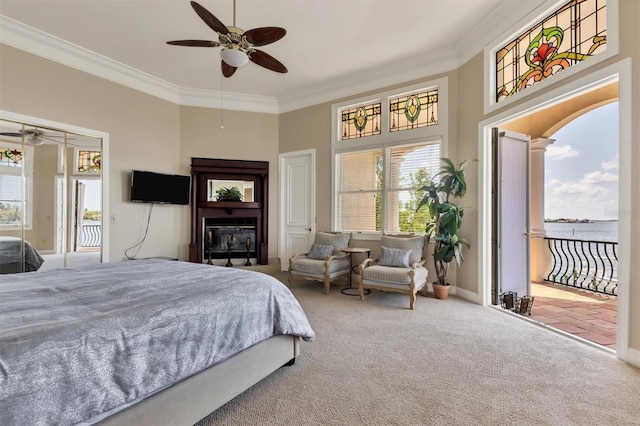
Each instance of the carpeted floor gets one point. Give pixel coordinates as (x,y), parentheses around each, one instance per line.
(446,363)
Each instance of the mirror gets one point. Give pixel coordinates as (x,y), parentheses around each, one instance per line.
(244,186)
(50,198)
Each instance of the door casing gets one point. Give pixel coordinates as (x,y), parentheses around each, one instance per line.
(297,203)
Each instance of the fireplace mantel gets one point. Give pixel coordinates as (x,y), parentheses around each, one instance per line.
(204,169)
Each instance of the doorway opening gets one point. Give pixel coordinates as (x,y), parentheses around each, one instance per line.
(87,215)
(614,79)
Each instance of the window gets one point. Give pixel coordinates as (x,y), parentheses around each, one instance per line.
(378,190)
(12,161)
(558,42)
(414,111)
(361,121)
(379,170)
(88,161)
(572,34)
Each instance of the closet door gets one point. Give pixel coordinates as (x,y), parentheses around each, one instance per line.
(42,226)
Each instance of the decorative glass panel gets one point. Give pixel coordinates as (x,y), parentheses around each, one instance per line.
(10,157)
(89,161)
(574,33)
(413,111)
(361,121)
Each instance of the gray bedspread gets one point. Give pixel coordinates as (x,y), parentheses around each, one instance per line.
(77,343)
(11,256)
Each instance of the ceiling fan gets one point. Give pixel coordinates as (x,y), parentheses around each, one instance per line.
(34,137)
(237,44)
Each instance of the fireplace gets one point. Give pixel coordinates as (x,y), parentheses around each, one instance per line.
(229,238)
(214,223)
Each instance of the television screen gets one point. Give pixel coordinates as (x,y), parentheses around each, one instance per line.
(150,187)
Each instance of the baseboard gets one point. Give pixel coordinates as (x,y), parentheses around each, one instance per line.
(633,357)
(466,294)
(456,291)
(272,267)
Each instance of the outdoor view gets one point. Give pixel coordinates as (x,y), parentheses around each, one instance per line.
(581,201)
(581,178)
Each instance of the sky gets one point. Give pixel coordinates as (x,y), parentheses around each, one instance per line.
(92,194)
(581,167)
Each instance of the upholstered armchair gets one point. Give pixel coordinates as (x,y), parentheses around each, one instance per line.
(400,267)
(325,261)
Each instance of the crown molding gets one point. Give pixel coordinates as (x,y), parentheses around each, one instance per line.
(39,43)
(47,46)
(498,22)
(422,66)
(228,100)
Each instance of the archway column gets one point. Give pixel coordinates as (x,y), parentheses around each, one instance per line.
(540,255)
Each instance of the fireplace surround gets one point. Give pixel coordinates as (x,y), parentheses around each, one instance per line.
(213,222)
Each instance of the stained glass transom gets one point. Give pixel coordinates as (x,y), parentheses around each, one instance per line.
(89,161)
(361,121)
(413,111)
(10,157)
(574,33)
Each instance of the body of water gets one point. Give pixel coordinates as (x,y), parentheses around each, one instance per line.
(605,230)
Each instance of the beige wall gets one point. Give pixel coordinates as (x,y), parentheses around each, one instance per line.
(144,134)
(246,136)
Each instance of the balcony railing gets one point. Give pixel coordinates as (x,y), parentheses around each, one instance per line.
(91,235)
(590,265)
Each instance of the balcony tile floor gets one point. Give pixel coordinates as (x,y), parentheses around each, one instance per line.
(591,316)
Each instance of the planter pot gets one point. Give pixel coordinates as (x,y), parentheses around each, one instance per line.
(441,291)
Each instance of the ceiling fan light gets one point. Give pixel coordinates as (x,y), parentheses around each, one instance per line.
(35,141)
(234,57)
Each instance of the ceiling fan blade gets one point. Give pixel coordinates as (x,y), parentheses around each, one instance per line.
(194,43)
(264,35)
(227,70)
(18,134)
(265,60)
(208,18)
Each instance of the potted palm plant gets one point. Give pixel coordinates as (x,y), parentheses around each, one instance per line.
(445,219)
(228,194)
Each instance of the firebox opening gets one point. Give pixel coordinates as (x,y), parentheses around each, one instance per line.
(229,237)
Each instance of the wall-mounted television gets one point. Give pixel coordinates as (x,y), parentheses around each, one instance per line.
(151,187)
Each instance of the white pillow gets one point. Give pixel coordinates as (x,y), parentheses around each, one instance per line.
(321,251)
(395,257)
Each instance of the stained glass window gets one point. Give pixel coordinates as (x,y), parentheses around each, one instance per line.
(361,121)
(572,34)
(413,111)
(10,157)
(89,161)
(11,162)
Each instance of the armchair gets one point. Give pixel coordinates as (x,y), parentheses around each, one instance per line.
(325,261)
(400,268)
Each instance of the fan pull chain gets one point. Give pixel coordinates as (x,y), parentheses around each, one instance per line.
(221,102)
(234,13)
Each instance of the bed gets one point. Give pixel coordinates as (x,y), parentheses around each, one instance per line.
(139,342)
(11,256)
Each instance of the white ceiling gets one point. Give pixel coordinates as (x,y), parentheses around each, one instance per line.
(332,48)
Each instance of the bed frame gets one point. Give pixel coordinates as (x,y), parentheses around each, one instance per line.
(192,399)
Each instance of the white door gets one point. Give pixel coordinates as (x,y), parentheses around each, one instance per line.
(511,219)
(78,214)
(297,204)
